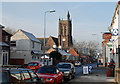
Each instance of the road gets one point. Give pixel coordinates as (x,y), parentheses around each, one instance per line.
(98,76)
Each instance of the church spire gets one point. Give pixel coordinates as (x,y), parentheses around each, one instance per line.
(68,16)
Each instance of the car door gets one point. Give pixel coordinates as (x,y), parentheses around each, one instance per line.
(59,75)
(72,69)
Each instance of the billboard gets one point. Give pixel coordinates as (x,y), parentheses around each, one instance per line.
(107,36)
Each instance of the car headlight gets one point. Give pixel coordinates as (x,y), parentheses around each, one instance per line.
(42,79)
(49,79)
(66,72)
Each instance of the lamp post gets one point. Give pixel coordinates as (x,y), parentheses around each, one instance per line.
(61,44)
(51,11)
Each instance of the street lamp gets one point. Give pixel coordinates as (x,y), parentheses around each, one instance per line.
(61,44)
(51,11)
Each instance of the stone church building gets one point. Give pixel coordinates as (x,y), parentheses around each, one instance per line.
(65,33)
(64,39)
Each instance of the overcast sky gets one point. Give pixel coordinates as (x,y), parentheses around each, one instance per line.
(87,17)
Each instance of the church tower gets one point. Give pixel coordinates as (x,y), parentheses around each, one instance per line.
(65,33)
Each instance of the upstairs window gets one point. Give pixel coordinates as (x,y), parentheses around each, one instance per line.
(13,43)
(6,38)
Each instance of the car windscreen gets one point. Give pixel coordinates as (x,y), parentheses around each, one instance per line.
(51,70)
(33,64)
(64,66)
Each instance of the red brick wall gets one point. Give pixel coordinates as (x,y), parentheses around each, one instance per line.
(50,43)
(17,61)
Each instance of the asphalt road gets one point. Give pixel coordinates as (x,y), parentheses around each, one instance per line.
(98,76)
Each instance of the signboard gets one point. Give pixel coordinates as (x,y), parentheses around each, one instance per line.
(85,70)
(107,36)
(109,45)
(115,32)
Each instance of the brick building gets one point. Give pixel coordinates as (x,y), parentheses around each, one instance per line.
(5,46)
(65,32)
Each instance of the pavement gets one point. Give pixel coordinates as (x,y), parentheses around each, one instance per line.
(98,76)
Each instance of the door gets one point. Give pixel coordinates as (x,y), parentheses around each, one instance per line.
(5,58)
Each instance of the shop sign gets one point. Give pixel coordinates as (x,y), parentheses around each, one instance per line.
(107,36)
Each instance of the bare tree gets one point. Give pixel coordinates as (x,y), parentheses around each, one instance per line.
(86,48)
(92,47)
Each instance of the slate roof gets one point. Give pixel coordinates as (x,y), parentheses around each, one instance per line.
(5,33)
(55,40)
(30,36)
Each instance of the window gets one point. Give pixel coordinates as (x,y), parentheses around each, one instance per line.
(26,76)
(13,43)
(34,76)
(32,44)
(15,76)
(6,38)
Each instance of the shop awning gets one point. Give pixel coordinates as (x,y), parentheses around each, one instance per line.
(3,44)
(35,52)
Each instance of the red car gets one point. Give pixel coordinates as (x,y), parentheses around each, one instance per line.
(50,75)
(34,66)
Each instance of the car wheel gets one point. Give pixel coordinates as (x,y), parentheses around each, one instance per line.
(55,81)
(62,80)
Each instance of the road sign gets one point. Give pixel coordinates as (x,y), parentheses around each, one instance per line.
(85,70)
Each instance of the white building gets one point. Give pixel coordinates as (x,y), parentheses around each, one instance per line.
(24,46)
(114,27)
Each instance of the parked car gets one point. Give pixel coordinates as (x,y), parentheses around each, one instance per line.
(77,63)
(34,66)
(50,75)
(67,69)
(22,76)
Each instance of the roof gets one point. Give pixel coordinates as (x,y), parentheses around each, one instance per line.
(73,52)
(35,52)
(63,52)
(30,36)
(50,50)
(55,40)
(42,40)
(3,44)
(5,33)
(1,26)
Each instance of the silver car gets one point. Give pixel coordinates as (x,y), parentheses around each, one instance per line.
(67,69)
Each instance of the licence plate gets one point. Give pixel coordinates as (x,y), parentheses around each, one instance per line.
(32,67)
